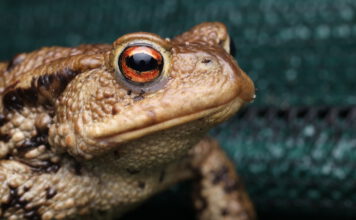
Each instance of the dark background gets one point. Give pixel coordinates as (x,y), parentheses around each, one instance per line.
(295,145)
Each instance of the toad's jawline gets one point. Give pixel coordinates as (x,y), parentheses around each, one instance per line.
(214,115)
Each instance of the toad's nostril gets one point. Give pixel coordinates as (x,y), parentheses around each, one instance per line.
(232,48)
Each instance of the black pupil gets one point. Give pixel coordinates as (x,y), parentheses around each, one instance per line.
(142,62)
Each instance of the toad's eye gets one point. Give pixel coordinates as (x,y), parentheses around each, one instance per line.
(140,63)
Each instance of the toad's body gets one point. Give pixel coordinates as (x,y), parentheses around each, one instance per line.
(91,131)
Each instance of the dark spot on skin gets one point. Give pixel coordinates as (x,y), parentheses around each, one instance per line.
(45,81)
(220,175)
(12,100)
(3,120)
(26,188)
(52,167)
(230,185)
(51,112)
(77,168)
(14,201)
(47,86)
(224,212)
(162,175)
(50,192)
(32,214)
(132,171)
(48,106)
(114,111)
(205,61)
(27,145)
(42,130)
(40,139)
(129,92)
(46,167)
(141,185)
(52,85)
(139,96)
(221,42)
(42,136)
(5,137)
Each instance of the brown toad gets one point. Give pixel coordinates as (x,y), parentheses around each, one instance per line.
(92,131)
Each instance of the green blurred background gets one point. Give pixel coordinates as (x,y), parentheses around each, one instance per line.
(295,146)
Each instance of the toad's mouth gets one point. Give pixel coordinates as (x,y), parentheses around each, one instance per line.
(212,116)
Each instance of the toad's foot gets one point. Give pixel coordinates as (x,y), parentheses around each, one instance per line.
(219,194)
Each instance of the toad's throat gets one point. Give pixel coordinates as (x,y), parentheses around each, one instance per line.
(212,116)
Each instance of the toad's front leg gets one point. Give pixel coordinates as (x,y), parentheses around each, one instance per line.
(219,194)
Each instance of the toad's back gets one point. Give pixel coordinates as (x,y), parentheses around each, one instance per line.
(11,71)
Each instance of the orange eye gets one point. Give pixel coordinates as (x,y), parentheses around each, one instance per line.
(140,63)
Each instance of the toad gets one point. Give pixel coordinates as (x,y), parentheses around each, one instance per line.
(92,131)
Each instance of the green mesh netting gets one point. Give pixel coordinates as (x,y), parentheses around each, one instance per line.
(300,160)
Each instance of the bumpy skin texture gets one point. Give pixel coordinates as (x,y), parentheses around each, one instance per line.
(79,142)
